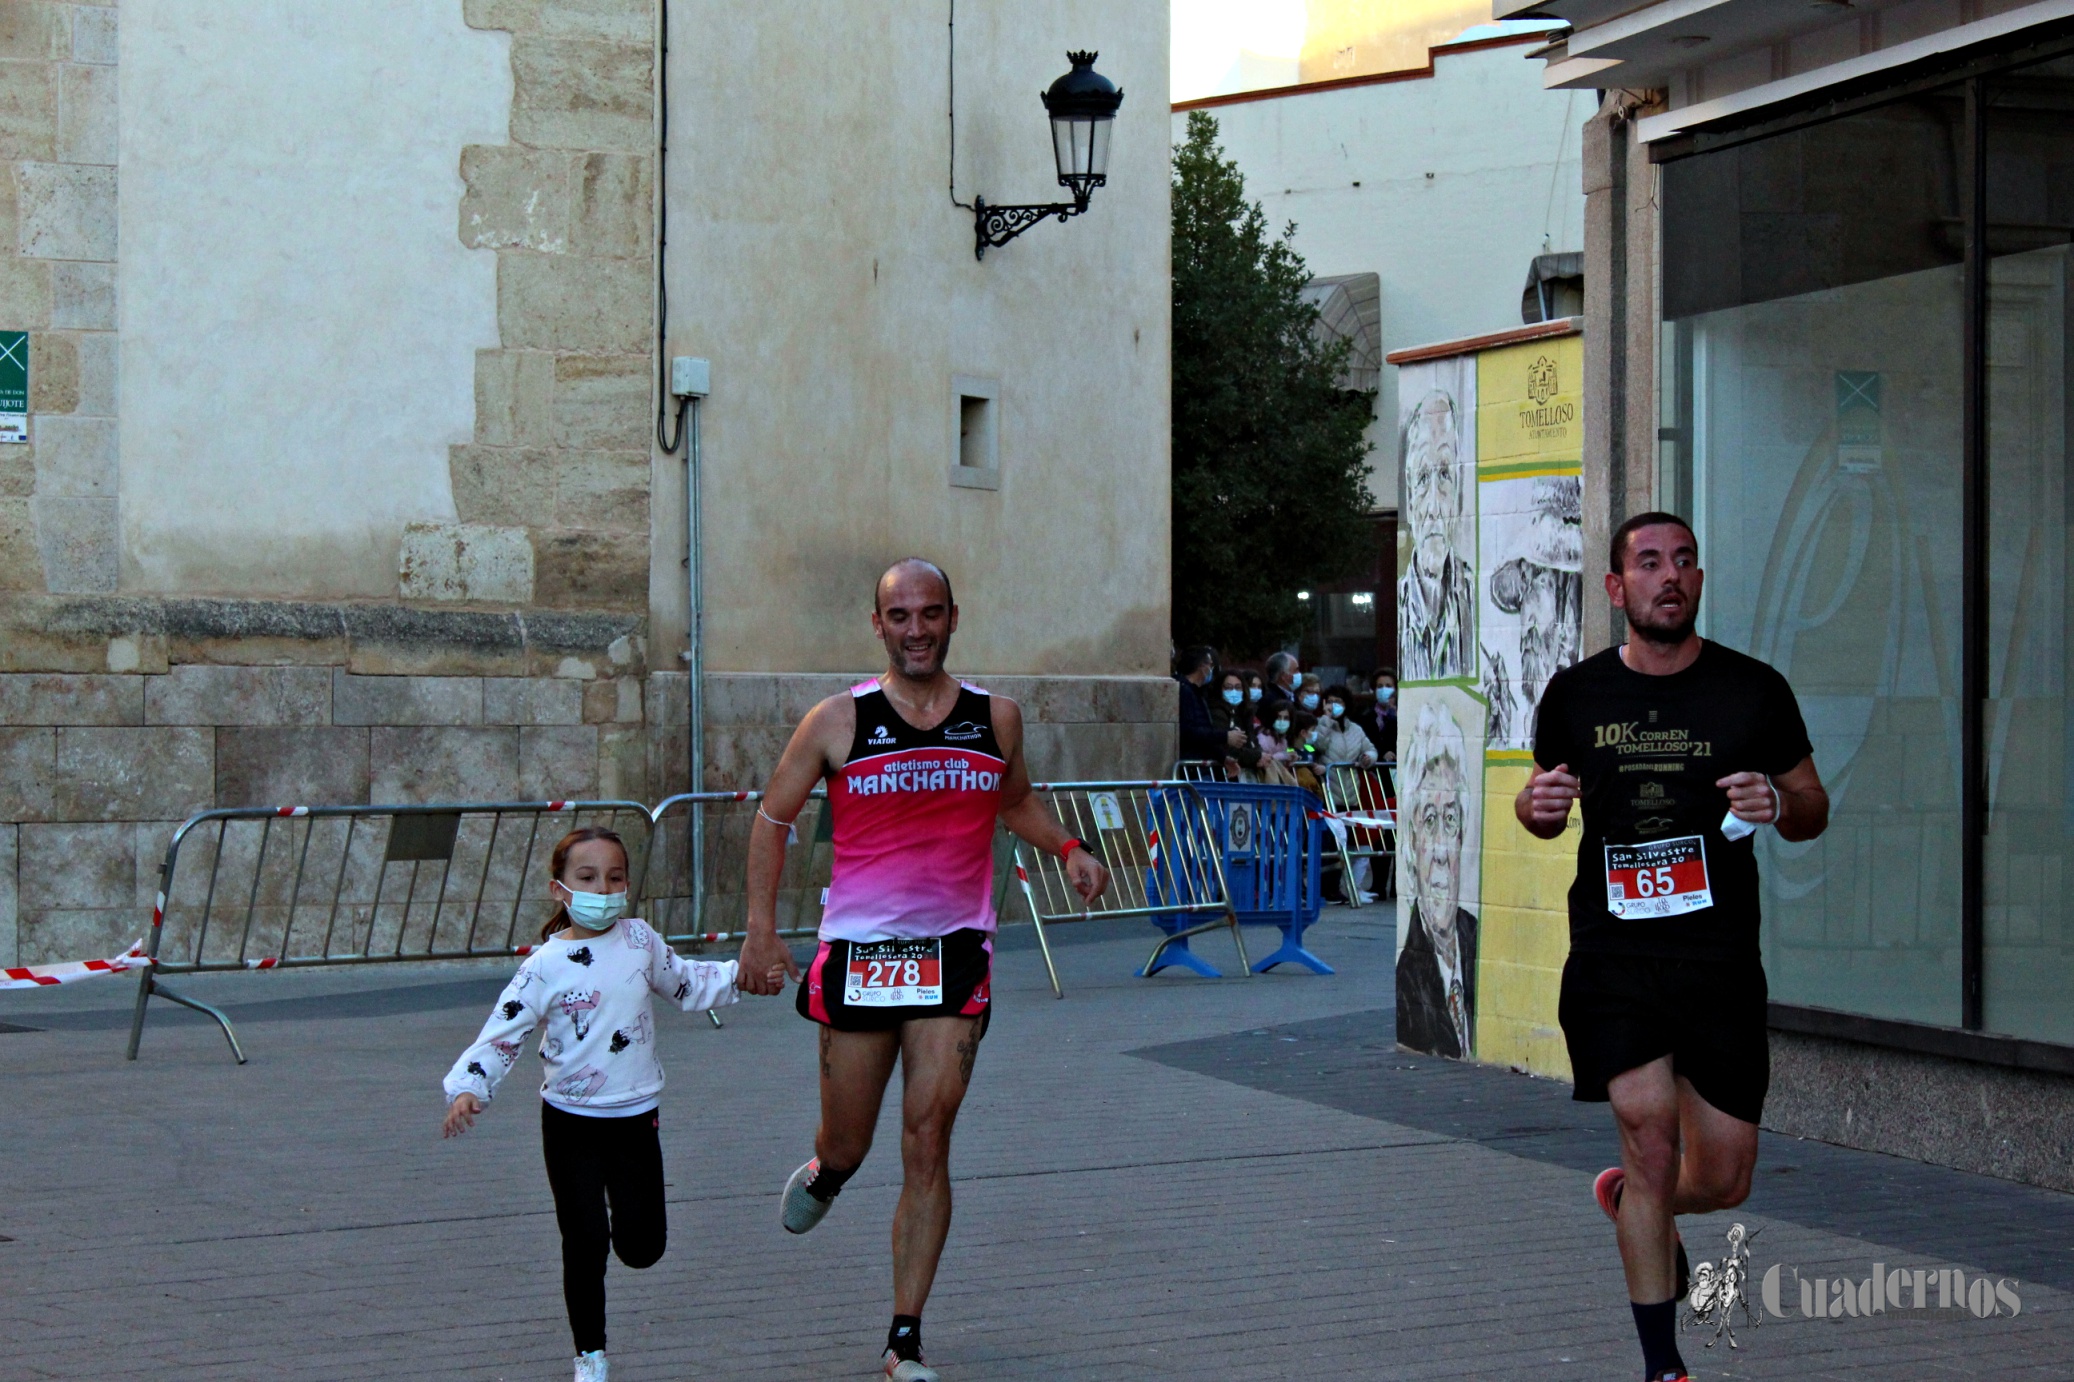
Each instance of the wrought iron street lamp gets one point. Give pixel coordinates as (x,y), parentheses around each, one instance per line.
(1082,105)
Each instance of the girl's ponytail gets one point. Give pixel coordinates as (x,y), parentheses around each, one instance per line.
(560,858)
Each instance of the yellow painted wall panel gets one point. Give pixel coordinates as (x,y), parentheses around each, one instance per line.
(1525,932)
(1529,403)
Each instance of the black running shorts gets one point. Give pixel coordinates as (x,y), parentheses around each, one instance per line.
(1623,1011)
(966,974)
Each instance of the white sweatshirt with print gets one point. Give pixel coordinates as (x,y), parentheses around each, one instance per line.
(593,996)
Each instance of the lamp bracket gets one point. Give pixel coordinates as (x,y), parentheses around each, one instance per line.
(996,225)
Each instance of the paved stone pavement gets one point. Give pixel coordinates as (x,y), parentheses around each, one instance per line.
(1163,1179)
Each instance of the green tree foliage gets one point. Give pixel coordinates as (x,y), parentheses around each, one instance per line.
(1269,487)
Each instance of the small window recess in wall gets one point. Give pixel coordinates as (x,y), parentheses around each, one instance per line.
(975,432)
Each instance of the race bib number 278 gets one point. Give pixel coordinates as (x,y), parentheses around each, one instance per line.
(895,974)
(1665,878)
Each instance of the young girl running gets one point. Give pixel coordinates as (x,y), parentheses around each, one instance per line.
(589,981)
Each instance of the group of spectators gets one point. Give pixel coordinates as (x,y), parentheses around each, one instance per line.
(1280,724)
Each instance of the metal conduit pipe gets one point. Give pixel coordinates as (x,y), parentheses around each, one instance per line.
(695,658)
(681,381)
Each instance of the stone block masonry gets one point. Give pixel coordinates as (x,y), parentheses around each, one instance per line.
(222,703)
(57,282)
(551,494)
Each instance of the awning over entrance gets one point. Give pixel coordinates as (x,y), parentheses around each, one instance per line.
(1350,308)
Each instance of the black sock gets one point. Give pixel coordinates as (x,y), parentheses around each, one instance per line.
(828,1182)
(904,1339)
(1657,1327)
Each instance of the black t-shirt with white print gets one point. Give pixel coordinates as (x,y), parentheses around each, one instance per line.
(1655,875)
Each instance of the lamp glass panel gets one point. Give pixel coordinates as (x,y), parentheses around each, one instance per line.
(1062,145)
(1098,153)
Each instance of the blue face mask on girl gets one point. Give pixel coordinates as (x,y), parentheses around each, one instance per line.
(1233,696)
(1252,693)
(596,911)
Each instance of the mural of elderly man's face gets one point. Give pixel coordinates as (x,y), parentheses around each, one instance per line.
(1437,826)
(1432,484)
(1549,603)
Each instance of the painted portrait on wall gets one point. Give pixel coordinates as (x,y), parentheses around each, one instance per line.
(1531,549)
(1436,442)
(1440,825)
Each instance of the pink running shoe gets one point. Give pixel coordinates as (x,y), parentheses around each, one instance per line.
(1606,1190)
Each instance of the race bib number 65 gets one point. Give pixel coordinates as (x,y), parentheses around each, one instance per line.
(1665,878)
(895,974)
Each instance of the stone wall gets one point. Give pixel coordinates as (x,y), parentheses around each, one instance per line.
(361,703)
(551,496)
(57,281)
(2017,1124)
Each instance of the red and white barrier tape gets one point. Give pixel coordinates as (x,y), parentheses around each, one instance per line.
(36,976)
(1338,822)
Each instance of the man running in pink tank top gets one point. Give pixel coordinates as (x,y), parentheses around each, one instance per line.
(919,765)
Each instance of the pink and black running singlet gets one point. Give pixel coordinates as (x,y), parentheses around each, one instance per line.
(914,823)
(908,929)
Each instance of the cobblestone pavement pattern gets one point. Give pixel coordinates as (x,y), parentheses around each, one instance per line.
(1156,1180)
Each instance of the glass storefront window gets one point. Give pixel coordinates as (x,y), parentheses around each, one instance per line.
(2028,932)
(1814,293)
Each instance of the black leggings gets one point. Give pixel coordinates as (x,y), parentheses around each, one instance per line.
(593,1162)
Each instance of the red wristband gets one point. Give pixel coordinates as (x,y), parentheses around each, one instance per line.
(1066,849)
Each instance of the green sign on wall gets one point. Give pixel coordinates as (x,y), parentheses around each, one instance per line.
(14,386)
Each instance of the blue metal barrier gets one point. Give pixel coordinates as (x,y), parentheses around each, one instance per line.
(1272,842)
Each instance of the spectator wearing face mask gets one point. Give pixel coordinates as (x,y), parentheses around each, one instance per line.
(1256,687)
(1303,747)
(1200,738)
(1234,718)
(1272,738)
(1382,724)
(1337,738)
(1310,696)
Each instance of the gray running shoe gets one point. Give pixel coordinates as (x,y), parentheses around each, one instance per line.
(910,1369)
(799,1211)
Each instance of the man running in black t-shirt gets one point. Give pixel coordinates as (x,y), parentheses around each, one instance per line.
(1677,749)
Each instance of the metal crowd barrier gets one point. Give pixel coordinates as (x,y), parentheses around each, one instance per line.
(1198,770)
(713,910)
(1163,864)
(1361,807)
(293,886)
(1271,841)
(300,886)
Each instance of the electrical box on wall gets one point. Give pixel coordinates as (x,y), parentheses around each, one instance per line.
(691,376)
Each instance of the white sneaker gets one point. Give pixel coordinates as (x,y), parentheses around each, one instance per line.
(590,1367)
(909,1369)
(797,1210)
